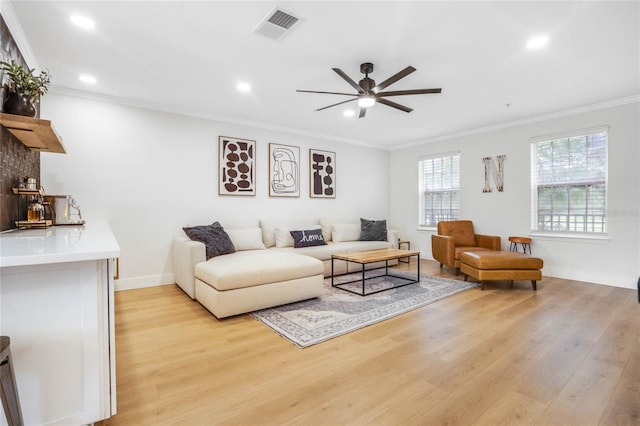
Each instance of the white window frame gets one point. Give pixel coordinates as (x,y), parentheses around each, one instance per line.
(569,216)
(452,189)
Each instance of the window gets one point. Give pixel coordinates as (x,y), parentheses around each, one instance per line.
(439,187)
(569,183)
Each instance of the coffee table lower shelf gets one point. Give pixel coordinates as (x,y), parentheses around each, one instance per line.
(374,256)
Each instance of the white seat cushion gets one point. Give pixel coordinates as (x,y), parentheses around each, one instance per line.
(319,252)
(246,239)
(251,268)
(342,232)
(368,245)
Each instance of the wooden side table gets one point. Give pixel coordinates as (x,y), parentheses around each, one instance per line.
(400,243)
(8,389)
(524,241)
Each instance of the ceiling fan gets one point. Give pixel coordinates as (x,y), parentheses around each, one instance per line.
(369,93)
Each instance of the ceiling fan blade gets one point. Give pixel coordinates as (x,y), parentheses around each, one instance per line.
(409,92)
(363,111)
(402,74)
(394,105)
(348,79)
(339,103)
(328,93)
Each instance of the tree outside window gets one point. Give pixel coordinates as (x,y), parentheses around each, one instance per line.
(569,183)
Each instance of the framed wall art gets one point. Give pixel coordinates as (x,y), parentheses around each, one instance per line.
(322,174)
(284,170)
(236,166)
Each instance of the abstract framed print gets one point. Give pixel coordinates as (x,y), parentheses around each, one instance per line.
(284,170)
(236,166)
(322,174)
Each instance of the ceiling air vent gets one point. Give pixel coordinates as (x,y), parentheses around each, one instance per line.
(276,24)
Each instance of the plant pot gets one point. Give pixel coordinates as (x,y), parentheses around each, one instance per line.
(15,103)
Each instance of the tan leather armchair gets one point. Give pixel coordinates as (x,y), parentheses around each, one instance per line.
(457,236)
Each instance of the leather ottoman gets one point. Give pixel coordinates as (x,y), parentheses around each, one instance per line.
(500,265)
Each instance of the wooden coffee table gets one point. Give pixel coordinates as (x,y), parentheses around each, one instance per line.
(372,256)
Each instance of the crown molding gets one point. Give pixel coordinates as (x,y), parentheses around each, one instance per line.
(10,18)
(534,119)
(201,114)
(292,130)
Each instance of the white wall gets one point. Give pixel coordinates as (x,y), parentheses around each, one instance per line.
(150,173)
(613,261)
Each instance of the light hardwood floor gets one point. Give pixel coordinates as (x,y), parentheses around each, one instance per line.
(568,354)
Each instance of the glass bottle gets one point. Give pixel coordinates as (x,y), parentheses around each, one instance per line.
(35,212)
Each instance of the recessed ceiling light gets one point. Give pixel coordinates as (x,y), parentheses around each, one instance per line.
(83,22)
(243,87)
(537,42)
(86,78)
(348,113)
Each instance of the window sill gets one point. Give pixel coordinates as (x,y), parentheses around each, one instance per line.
(427,229)
(598,239)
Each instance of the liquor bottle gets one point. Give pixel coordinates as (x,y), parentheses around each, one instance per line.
(35,212)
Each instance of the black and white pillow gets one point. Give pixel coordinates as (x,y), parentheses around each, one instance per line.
(214,238)
(308,238)
(373,230)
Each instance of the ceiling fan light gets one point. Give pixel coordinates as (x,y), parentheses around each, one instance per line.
(366,101)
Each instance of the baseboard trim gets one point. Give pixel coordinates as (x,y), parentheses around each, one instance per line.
(143,282)
(569,274)
(589,277)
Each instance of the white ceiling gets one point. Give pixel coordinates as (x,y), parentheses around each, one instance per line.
(188,56)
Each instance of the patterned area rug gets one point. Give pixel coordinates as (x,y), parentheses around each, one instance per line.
(338,312)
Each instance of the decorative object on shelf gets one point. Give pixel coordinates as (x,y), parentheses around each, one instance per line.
(36,206)
(23,89)
(236,166)
(322,174)
(30,183)
(35,211)
(17,104)
(284,170)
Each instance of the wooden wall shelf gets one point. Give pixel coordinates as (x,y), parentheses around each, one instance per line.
(33,192)
(35,133)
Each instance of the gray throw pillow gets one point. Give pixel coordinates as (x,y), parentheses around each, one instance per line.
(308,238)
(373,230)
(214,238)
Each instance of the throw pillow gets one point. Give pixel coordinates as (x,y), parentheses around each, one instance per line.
(246,239)
(373,230)
(214,238)
(283,236)
(326,224)
(345,232)
(308,238)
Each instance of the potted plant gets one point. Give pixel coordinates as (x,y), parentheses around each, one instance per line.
(23,89)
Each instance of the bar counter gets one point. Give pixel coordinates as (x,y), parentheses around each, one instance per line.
(57,307)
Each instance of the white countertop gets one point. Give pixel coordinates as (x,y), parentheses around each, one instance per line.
(58,244)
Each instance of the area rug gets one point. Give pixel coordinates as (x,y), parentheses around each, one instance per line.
(338,312)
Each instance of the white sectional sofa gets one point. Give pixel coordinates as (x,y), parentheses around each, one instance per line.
(266,270)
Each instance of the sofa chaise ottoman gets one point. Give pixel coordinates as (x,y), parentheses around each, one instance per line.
(245,282)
